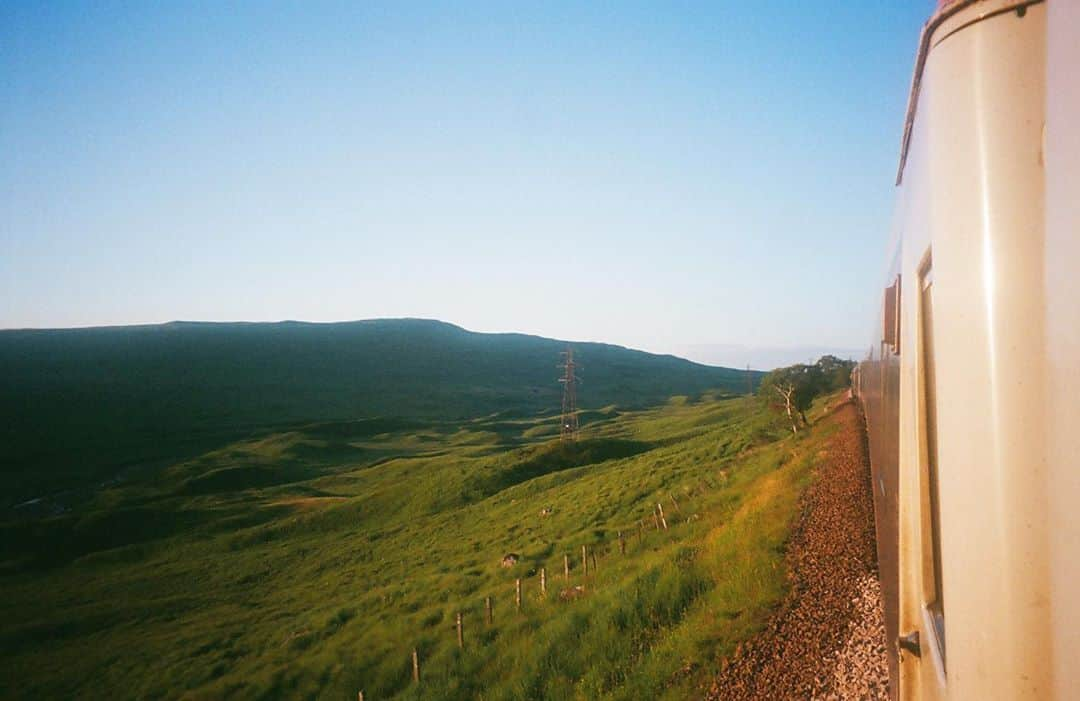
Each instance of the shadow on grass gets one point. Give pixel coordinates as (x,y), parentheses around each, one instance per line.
(555,457)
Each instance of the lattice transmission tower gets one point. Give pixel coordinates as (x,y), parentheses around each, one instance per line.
(568,426)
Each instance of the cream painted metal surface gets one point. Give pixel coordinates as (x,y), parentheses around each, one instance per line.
(1062,329)
(991,216)
(978,138)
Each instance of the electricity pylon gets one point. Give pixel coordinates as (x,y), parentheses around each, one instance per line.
(568,426)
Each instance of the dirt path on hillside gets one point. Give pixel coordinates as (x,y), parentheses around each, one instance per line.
(827,639)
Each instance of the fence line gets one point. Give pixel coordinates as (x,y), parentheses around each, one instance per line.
(586,554)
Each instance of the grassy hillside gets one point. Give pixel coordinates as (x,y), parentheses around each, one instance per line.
(310,562)
(86,405)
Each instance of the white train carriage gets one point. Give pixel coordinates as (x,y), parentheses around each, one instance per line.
(971,389)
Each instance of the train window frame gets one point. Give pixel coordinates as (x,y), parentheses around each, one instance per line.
(929,472)
(890,317)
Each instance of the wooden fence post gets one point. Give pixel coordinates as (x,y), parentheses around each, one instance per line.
(592,555)
(656,519)
(543,581)
(677,509)
(460,633)
(415,666)
(566,567)
(487,610)
(517,593)
(360,696)
(660,508)
(584,561)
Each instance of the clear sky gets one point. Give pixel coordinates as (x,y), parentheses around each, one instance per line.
(663,175)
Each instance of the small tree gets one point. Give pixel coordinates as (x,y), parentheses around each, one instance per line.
(794,388)
(786,390)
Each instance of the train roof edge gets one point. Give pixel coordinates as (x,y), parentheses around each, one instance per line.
(945,9)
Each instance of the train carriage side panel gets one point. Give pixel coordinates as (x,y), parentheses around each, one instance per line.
(979,154)
(1062,162)
(956,411)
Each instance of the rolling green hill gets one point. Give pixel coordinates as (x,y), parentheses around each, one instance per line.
(310,561)
(83,406)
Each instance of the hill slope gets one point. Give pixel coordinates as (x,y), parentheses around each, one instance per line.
(85,404)
(311,562)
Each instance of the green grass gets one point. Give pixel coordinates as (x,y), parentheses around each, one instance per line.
(308,563)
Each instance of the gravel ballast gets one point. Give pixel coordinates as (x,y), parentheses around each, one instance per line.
(827,638)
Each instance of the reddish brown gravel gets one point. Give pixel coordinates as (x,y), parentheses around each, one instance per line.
(827,639)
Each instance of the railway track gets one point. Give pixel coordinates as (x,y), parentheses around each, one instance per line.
(827,638)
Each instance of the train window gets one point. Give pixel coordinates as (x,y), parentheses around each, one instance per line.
(932,515)
(890,317)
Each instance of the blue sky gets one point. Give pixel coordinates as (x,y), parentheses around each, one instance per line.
(668,176)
